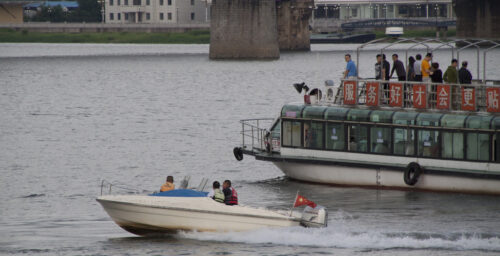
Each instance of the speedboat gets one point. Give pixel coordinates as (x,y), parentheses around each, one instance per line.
(191,210)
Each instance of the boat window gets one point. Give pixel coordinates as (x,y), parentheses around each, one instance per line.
(333,113)
(335,136)
(292,111)
(313,135)
(313,112)
(361,115)
(275,134)
(380,137)
(291,133)
(358,138)
(495,125)
(428,143)
(404,138)
(335,132)
(452,143)
(429,119)
(478,144)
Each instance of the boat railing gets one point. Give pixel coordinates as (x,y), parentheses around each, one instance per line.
(107,188)
(474,97)
(254,133)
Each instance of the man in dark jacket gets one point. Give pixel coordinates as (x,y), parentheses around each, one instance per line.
(230,195)
(451,75)
(399,67)
(386,67)
(464,76)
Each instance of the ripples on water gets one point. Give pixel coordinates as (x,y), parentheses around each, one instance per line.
(71,115)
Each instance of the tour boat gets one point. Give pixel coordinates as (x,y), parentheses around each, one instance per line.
(391,134)
(189,210)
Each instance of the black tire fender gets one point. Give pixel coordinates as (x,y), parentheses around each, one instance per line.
(412,173)
(238,153)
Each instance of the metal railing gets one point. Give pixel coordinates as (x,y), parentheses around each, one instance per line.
(254,133)
(432,99)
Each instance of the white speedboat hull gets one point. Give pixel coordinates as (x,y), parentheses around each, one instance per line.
(145,215)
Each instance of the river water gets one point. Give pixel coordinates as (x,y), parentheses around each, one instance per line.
(74,114)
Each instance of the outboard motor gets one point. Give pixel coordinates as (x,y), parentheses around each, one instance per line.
(314,217)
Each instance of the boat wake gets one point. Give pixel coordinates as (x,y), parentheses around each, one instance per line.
(340,236)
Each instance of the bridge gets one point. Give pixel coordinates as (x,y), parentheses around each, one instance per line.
(382,23)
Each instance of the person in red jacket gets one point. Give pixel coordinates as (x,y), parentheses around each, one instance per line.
(230,194)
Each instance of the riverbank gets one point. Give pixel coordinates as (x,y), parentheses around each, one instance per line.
(24,36)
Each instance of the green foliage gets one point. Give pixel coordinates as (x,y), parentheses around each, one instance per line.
(192,37)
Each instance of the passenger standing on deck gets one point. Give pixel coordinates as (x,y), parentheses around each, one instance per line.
(451,75)
(216,194)
(350,70)
(464,76)
(417,66)
(378,67)
(426,68)
(230,195)
(411,69)
(399,67)
(436,73)
(169,185)
(386,66)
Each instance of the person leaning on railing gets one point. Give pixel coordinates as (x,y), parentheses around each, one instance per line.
(464,75)
(450,76)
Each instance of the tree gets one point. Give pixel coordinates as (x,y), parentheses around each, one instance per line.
(88,11)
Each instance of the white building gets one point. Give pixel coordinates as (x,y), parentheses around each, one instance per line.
(156,11)
(376,9)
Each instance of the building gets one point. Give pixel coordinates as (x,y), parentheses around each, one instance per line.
(156,11)
(11,11)
(377,9)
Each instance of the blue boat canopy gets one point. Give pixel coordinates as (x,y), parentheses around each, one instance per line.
(181,193)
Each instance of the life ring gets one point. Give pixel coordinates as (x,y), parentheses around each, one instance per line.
(412,173)
(238,153)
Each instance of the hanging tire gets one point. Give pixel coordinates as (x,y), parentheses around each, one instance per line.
(238,153)
(412,173)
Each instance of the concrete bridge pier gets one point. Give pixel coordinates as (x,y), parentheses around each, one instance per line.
(243,29)
(293,24)
(478,19)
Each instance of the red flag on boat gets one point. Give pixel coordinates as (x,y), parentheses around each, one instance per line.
(300,200)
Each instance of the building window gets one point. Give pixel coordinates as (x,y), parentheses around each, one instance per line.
(148,2)
(148,16)
(125,2)
(192,16)
(118,2)
(169,15)
(126,16)
(354,12)
(110,2)
(136,2)
(169,2)
(161,2)
(118,16)
(111,16)
(161,15)
(192,2)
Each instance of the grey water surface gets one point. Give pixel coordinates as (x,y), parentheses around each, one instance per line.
(72,115)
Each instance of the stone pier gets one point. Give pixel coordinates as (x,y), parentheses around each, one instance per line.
(293,24)
(243,29)
(478,19)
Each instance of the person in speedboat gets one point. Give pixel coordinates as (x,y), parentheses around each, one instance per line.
(169,184)
(216,194)
(230,194)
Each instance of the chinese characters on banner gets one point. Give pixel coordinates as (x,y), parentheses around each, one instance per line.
(443,96)
(419,96)
(372,94)
(468,99)
(396,94)
(350,92)
(492,98)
